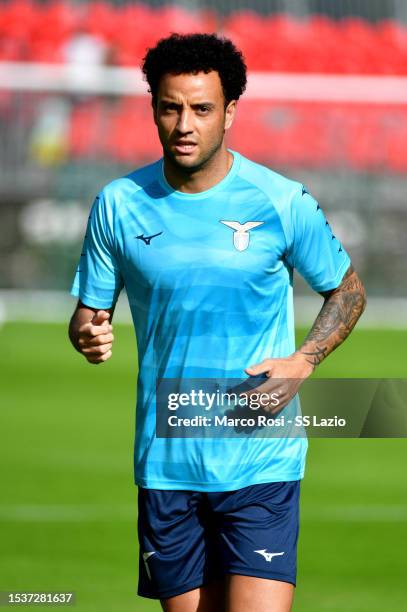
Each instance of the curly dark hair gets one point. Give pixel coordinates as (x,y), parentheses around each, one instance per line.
(192,53)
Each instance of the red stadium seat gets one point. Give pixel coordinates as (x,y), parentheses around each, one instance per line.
(365,142)
(396,149)
(247,30)
(16,21)
(87,129)
(37,31)
(132,134)
(393,39)
(100,19)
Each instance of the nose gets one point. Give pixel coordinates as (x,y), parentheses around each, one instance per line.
(184,125)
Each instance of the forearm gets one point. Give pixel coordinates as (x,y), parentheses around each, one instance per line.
(336,319)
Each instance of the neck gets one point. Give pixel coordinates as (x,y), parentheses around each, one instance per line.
(201,179)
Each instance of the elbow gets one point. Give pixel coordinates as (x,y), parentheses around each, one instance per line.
(73,332)
(364,299)
(360,299)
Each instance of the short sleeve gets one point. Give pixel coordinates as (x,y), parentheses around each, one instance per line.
(98,281)
(313,249)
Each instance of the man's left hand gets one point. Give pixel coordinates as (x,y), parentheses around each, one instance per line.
(285,375)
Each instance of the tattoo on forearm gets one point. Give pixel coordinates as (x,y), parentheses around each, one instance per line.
(315,357)
(336,319)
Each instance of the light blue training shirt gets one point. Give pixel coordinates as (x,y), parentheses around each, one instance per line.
(209,279)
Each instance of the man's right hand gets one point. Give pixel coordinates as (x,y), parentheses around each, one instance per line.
(95,338)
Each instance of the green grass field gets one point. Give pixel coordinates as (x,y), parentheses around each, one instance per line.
(68,502)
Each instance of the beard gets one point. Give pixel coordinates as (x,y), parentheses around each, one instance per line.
(187,166)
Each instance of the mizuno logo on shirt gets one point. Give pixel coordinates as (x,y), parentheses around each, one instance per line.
(147,239)
(241,236)
(268,555)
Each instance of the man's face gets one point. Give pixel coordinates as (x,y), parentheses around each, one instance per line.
(191,117)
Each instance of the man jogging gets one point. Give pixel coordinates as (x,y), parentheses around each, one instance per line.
(205,243)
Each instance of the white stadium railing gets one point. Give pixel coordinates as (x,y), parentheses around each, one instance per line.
(67,78)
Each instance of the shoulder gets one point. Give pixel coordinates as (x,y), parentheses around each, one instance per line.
(289,198)
(279,188)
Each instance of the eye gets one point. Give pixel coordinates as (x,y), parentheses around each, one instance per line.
(203,109)
(170,107)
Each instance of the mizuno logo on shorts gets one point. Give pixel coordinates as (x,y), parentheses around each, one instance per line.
(268,555)
(146,555)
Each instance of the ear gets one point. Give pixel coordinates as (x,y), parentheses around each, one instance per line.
(230,112)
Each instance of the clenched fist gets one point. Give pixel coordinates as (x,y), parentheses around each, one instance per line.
(95,338)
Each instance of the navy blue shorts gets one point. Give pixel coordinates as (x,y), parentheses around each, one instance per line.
(188,538)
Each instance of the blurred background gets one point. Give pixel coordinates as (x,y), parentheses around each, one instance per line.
(326,104)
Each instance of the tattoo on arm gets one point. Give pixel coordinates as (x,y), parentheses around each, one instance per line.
(336,319)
